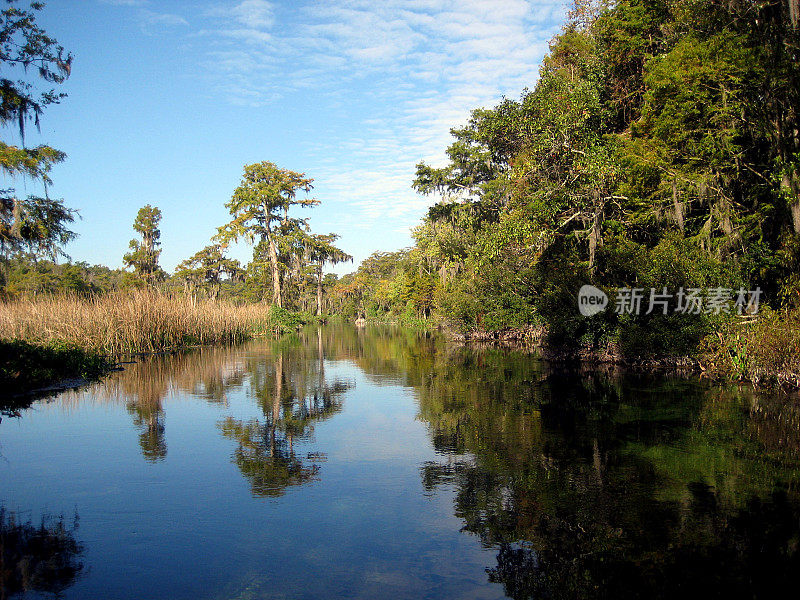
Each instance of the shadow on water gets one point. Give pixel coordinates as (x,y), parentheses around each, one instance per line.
(594,486)
(39,559)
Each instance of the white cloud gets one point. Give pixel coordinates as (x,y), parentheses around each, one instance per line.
(124,2)
(149,19)
(254,14)
(425,63)
(253,36)
(161,19)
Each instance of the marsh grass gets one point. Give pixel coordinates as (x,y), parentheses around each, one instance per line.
(133,322)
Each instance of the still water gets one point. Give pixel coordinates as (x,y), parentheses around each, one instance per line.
(344,463)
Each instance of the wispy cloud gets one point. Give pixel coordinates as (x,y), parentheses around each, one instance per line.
(420,65)
(254,13)
(151,21)
(152,18)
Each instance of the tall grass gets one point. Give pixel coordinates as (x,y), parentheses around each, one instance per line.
(766,350)
(131,322)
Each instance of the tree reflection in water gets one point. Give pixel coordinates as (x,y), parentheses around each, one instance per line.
(286,379)
(584,484)
(594,486)
(43,559)
(291,389)
(207,373)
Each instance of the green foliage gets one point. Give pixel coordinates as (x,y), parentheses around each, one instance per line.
(259,209)
(764,350)
(388,286)
(27,277)
(209,269)
(288,260)
(36,225)
(144,254)
(458,301)
(24,44)
(281,321)
(24,366)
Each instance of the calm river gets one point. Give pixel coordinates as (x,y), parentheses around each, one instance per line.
(382,463)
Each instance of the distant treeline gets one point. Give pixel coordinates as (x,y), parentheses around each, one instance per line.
(286,269)
(24,276)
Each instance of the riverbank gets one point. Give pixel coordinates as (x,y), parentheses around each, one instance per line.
(764,351)
(45,340)
(29,368)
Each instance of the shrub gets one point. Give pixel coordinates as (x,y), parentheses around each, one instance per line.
(24,365)
(762,350)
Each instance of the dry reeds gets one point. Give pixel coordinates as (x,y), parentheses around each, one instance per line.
(130,322)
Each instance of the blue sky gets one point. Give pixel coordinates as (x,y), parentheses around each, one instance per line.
(169,99)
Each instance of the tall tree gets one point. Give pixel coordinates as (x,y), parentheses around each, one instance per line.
(320,251)
(144,254)
(34,224)
(774,29)
(24,44)
(209,267)
(260,209)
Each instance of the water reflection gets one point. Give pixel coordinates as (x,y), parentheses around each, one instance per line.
(286,380)
(44,558)
(143,386)
(576,484)
(144,404)
(293,395)
(591,485)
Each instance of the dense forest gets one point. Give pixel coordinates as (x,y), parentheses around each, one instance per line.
(658,149)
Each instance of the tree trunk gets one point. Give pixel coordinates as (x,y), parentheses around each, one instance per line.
(678,206)
(320,371)
(595,238)
(276,401)
(320,357)
(276,276)
(793,190)
(794,204)
(319,290)
(149,247)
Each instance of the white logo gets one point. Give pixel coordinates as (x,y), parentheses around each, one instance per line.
(591,300)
